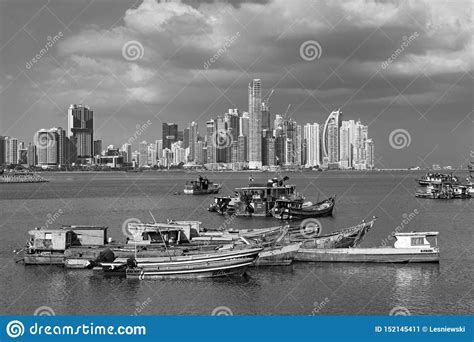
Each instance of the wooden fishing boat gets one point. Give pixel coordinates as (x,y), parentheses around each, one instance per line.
(201,186)
(277,255)
(256,199)
(217,263)
(408,248)
(205,269)
(436,178)
(344,238)
(287,209)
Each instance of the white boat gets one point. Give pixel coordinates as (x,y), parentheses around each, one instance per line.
(408,248)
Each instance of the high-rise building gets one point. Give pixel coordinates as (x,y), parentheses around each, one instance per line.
(345,146)
(210,140)
(143,154)
(267,121)
(360,137)
(186,137)
(311,145)
(12,153)
(47,147)
(193,139)
(127,152)
(178,152)
(32,156)
(169,134)
(369,153)
(200,153)
(244,125)
(255,124)
(3,153)
(151,154)
(80,130)
(242,149)
(97,147)
(330,139)
(221,140)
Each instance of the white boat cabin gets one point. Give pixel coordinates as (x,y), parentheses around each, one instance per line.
(173,232)
(414,240)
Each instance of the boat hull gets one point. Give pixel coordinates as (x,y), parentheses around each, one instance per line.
(277,255)
(372,255)
(43,259)
(235,267)
(209,191)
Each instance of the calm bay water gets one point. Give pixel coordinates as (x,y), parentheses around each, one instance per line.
(301,289)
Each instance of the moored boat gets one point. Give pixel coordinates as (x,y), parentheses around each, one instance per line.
(201,186)
(348,237)
(287,209)
(277,255)
(408,248)
(436,178)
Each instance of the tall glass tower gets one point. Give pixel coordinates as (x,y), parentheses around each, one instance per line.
(255,124)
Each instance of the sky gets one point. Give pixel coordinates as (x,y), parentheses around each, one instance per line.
(404,68)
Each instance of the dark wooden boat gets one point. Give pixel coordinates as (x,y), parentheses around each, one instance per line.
(256,199)
(201,186)
(200,265)
(205,269)
(344,238)
(287,209)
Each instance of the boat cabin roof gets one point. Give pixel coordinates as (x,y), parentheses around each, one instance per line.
(69,227)
(420,234)
(264,186)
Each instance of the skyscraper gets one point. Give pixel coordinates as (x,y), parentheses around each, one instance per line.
(369,154)
(169,134)
(330,139)
(266,117)
(143,154)
(193,138)
(80,129)
(210,139)
(47,147)
(244,124)
(311,144)
(127,152)
(255,124)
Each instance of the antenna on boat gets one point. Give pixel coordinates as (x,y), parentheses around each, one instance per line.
(159,231)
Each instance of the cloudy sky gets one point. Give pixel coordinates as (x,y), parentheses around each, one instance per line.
(134,61)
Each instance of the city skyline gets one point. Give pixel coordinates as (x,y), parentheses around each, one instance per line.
(405,67)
